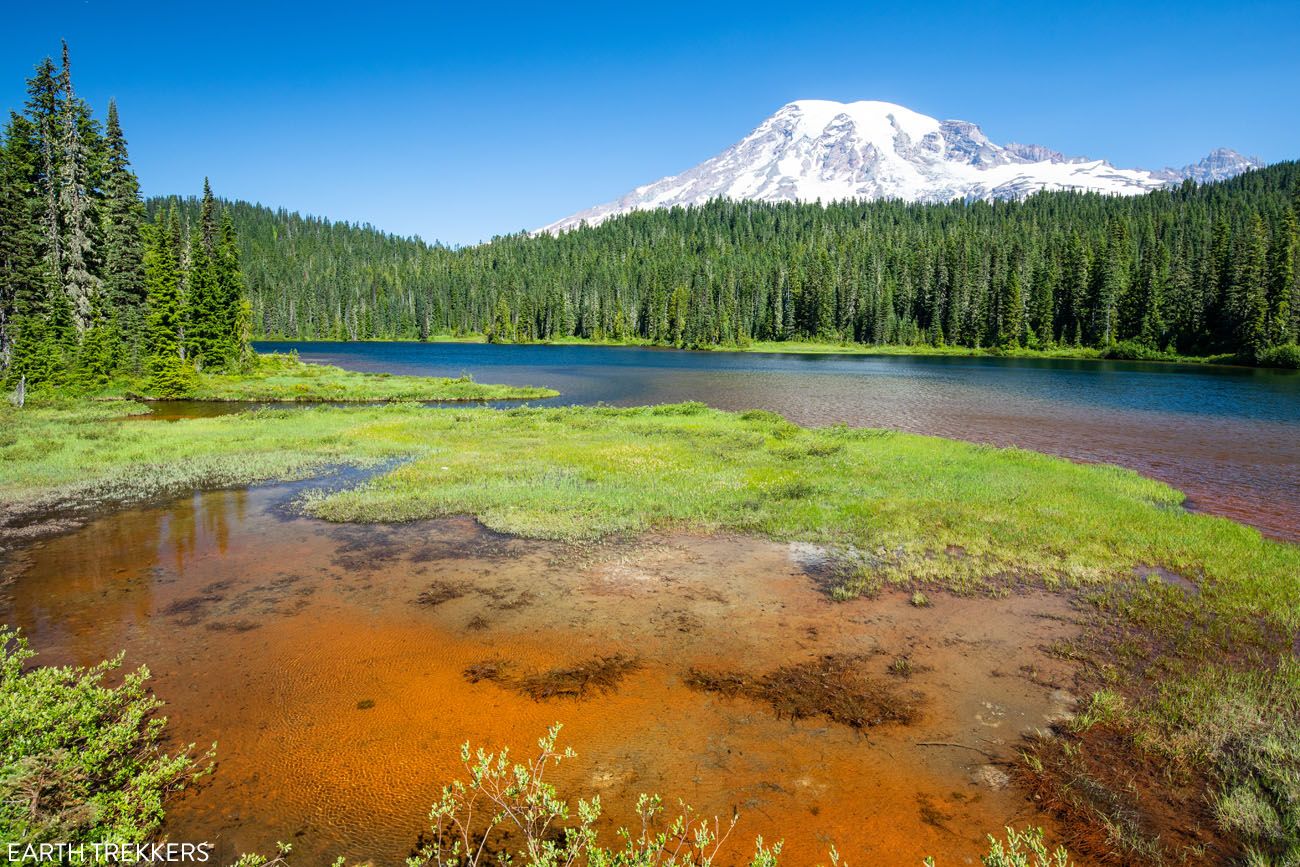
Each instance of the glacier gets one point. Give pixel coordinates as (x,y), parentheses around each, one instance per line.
(820,150)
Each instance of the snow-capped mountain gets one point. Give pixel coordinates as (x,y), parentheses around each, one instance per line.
(822,150)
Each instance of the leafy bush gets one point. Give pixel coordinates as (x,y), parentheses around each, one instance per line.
(172,378)
(1286,355)
(1131,350)
(80,762)
(1021,849)
(524,806)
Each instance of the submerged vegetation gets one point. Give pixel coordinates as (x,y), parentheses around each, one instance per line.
(596,675)
(831,687)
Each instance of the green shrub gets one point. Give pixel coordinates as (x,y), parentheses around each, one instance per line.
(1286,355)
(1021,849)
(172,378)
(80,761)
(1131,350)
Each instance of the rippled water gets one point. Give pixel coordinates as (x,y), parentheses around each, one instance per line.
(338,701)
(1228,437)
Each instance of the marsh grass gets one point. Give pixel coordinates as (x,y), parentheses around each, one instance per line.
(282,377)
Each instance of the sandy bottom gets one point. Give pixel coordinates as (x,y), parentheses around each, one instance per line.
(338,699)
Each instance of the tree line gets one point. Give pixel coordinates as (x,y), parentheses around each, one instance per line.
(90,290)
(1196,270)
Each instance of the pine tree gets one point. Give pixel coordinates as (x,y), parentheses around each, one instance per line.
(1041,304)
(1011,311)
(1151,328)
(162,279)
(208,219)
(1250,309)
(22,281)
(204,310)
(44,101)
(80,283)
(1111,284)
(501,329)
(235,313)
(1076,279)
(1282,280)
(122,214)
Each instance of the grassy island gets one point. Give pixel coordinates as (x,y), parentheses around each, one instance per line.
(280,377)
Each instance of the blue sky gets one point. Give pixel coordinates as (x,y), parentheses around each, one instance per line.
(458,123)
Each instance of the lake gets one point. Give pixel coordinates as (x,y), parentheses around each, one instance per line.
(1228,437)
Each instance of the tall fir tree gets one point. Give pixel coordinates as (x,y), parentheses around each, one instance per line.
(122,214)
(44,110)
(208,220)
(1249,309)
(80,282)
(164,330)
(204,310)
(1011,310)
(237,316)
(22,269)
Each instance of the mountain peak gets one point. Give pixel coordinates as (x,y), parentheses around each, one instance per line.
(823,150)
(1219,164)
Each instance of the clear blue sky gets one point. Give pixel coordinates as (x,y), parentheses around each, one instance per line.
(457,123)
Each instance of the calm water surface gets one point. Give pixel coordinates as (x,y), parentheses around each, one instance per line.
(335,687)
(1228,437)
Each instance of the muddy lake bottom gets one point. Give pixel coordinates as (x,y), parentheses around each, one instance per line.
(329,663)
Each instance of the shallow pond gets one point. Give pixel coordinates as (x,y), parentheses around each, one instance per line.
(329,663)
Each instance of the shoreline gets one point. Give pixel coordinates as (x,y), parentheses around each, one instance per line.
(813,348)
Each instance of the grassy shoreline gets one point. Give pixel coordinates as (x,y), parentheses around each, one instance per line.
(1191,652)
(792,347)
(282,378)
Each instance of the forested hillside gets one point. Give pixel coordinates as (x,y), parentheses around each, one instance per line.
(1197,270)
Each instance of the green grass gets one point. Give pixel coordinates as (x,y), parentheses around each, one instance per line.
(1208,670)
(282,377)
(900,506)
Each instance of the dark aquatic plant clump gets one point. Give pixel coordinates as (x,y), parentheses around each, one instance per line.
(598,675)
(439,592)
(832,687)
